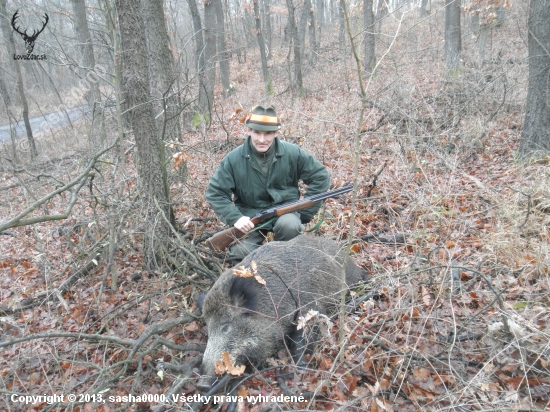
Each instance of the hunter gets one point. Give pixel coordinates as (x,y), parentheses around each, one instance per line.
(260,174)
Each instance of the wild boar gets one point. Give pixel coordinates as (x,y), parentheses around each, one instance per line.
(251,321)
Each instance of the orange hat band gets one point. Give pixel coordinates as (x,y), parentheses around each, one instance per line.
(256,118)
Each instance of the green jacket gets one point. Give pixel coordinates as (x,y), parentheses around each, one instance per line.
(238,176)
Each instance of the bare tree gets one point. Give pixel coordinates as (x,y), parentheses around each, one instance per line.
(261,45)
(535,136)
(320,9)
(267,26)
(199,53)
(222,52)
(295,41)
(424,10)
(136,91)
(161,70)
(302,29)
(341,25)
(313,41)
(86,65)
(453,42)
(4,92)
(369,37)
(11,51)
(209,53)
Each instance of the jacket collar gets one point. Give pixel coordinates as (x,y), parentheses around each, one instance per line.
(247,153)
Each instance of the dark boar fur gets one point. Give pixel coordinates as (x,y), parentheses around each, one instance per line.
(251,321)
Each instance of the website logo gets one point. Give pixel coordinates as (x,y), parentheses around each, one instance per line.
(29,39)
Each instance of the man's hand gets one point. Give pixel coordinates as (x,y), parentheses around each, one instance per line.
(244,224)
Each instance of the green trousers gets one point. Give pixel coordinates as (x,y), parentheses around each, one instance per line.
(285,228)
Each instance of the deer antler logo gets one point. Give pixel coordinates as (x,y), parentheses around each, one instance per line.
(29,40)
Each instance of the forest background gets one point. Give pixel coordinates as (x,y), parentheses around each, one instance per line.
(436,110)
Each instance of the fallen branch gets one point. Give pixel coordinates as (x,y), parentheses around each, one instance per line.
(79,182)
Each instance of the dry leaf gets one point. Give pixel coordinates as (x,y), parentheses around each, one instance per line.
(242,272)
(226,366)
(179,159)
(303,320)
(421,374)
(234,115)
(426,298)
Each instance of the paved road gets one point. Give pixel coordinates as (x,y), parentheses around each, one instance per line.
(60,120)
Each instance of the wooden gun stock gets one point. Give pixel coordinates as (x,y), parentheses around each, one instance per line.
(221,240)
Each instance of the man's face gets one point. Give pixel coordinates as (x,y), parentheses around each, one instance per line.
(262,141)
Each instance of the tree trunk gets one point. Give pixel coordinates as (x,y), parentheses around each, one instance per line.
(267,26)
(222,52)
(341,26)
(87,65)
(313,44)
(161,71)
(484,30)
(320,21)
(136,91)
(453,43)
(424,12)
(10,44)
(4,92)
(369,40)
(210,53)
(298,81)
(535,137)
(302,29)
(381,14)
(199,54)
(261,45)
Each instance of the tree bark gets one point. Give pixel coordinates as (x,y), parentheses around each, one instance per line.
(369,36)
(261,45)
(136,92)
(222,52)
(453,42)
(320,21)
(86,66)
(209,54)
(302,30)
(295,41)
(4,92)
(199,54)
(10,44)
(535,136)
(381,14)
(161,70)
(313,44)
(424,12)
(341,26)
(267,26)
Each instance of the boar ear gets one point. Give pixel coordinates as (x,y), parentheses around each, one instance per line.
(243,293)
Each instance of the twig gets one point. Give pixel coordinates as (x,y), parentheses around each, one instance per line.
(375,176)
(77,336)
(18,220)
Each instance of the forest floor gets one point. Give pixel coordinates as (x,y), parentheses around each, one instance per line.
(454,235)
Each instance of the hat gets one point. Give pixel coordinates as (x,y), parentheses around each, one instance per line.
(263,120)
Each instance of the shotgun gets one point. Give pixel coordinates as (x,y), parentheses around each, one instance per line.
(221,240)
